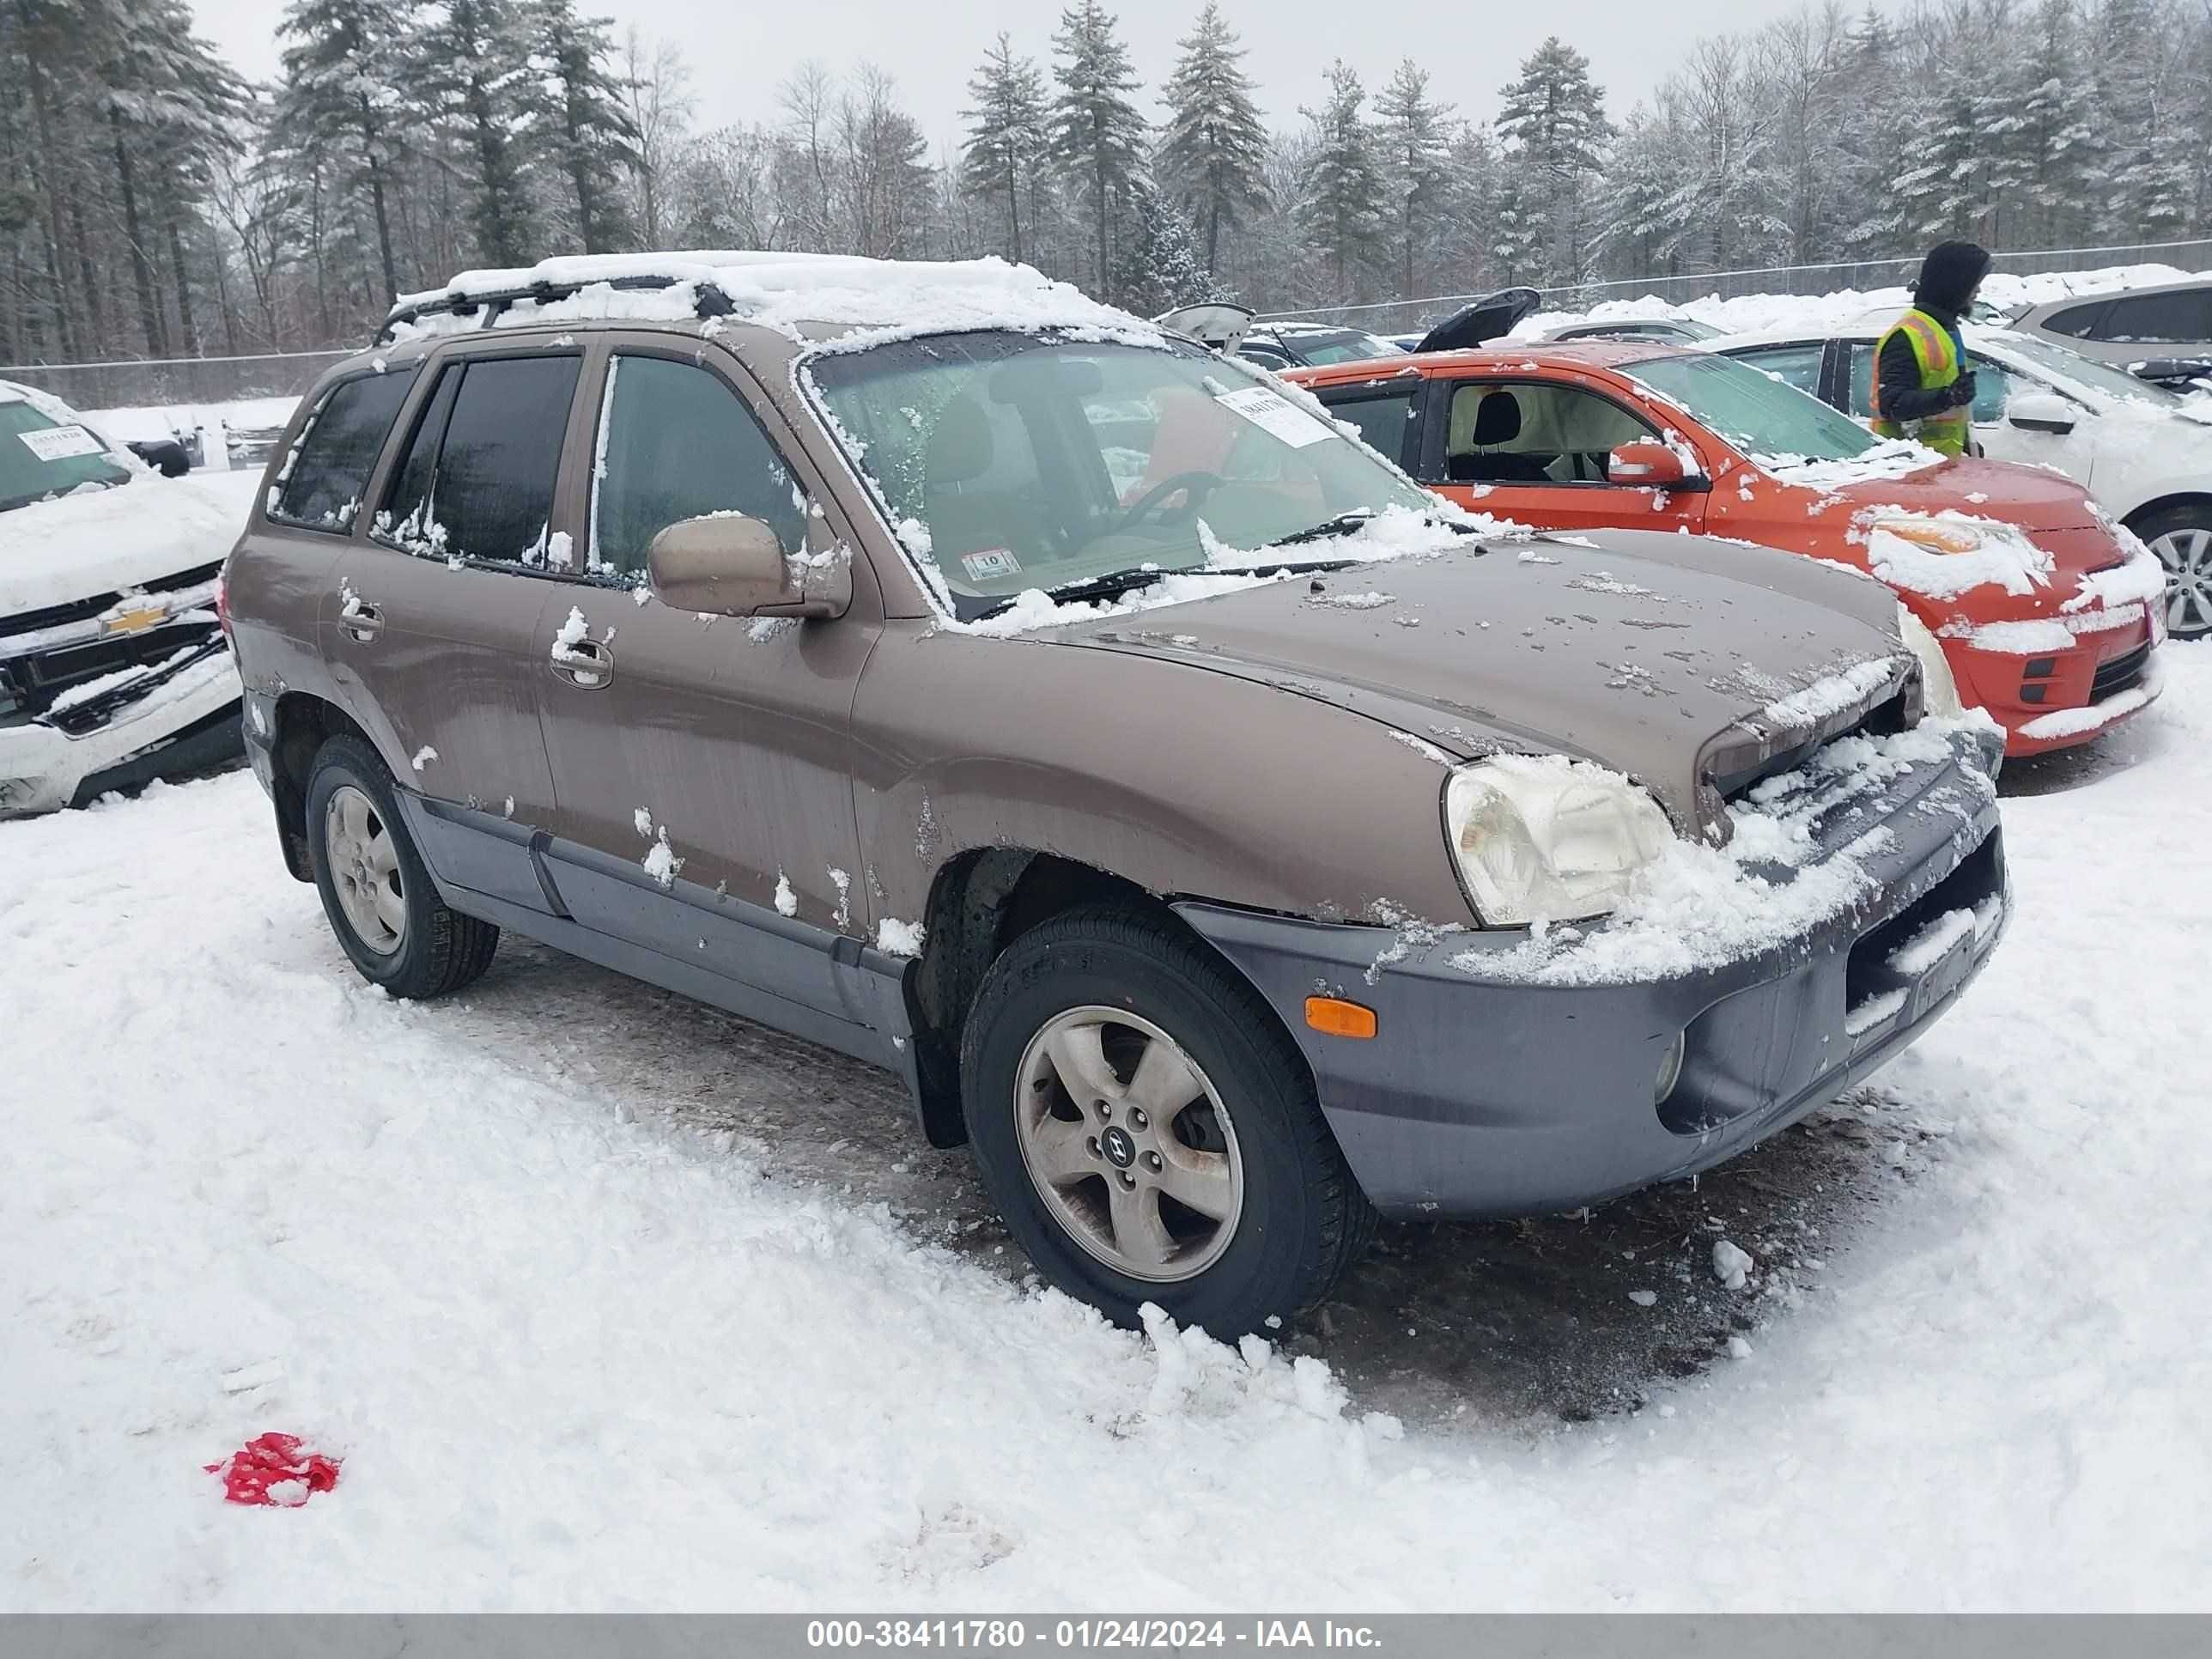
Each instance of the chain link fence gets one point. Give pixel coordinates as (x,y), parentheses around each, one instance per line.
(1407,316)
(174,380)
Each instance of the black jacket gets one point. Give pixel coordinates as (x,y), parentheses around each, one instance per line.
(1902,398)
(1948,276)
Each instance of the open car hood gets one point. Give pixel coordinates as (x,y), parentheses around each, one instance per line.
(1222,326)
(1482,321)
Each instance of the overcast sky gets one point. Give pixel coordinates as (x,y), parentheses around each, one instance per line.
(739,49)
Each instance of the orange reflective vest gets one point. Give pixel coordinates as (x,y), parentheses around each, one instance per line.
(1936,353)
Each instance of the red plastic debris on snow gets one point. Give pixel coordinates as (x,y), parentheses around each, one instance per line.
(277,1470)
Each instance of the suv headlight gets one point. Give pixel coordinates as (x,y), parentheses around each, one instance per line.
(1939,690)
(1541,838)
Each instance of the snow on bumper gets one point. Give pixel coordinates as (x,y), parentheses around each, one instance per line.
(1502,1096)
(42,766)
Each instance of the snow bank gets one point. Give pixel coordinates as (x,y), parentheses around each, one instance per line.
(577,1359)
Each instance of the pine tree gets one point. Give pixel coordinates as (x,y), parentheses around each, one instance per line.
(1871,140)
(344,96)
(2054,141)
(1214,153)
(1157,266)
(1340,212)
(1414,137)
(476,76)
(590,137)
(1636,206)
(1098,136)
(1008,135)
(1553,115)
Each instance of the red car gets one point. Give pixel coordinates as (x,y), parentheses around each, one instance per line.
(2048,611)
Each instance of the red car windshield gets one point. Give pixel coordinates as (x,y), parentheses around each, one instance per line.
(1762,416)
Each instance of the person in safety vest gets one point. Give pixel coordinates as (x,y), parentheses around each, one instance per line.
(1923,380)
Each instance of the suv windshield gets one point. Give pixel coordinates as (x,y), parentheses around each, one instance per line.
(1320,347)
(1013,461)
(1759,415)
(40,456)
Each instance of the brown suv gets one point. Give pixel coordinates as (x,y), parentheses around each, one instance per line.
(867,650)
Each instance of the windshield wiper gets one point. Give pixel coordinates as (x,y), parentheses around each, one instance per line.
(1116,583)
(1344,524)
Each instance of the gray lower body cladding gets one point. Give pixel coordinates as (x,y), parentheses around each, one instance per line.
(1495,1097)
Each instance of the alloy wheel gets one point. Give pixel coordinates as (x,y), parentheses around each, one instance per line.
(2187,555)
(364,867)
(1127,1143)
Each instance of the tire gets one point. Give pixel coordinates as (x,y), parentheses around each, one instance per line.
(405,939)
(2181,537)
(1250,1139)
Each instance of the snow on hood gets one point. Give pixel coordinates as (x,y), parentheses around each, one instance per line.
(1886,463)
(102,541)
(861,301)
(1697,908)
(1997,554)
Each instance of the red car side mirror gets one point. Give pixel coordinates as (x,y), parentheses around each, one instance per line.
(1650,466)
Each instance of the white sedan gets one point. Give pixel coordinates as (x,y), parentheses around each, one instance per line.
(2146,453)
(113,667)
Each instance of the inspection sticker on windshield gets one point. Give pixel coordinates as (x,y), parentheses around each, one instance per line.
(990,564)
(58,443)
(1277,415)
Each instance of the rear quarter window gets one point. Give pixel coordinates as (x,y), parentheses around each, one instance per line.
(478,480)
(322,481)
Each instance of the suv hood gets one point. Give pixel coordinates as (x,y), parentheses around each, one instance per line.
(1675,661)
(77,547)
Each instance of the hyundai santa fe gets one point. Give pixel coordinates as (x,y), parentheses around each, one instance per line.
(1227,839)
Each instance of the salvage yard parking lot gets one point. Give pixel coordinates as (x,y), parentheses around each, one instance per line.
(607,1300)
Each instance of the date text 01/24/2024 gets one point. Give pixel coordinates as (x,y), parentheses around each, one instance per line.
(1173,1635)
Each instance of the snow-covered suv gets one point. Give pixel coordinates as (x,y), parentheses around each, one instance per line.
(113,666)
(1229,839)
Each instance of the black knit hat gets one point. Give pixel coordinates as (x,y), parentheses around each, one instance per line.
(1949,275)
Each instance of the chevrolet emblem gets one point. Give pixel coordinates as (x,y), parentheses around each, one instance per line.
(134,621)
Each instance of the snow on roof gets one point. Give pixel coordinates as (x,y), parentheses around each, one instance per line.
(800,295)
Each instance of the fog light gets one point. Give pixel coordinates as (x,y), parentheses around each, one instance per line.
(1670,1072)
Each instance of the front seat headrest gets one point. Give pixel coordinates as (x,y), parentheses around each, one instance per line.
(960,445)
(1497,420)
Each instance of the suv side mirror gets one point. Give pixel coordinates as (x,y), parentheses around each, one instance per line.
(731,565)
(1648,465)
(2040,411)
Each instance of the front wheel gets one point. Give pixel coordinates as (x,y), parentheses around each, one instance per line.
(2181,537)
(1149,1130)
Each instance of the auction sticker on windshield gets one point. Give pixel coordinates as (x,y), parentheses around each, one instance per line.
(990,564)
(1271,413)
(58,443)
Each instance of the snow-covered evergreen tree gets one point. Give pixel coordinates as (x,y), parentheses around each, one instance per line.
(1553,115)
(1341,210)
(1097,136)
(588,138)
(347,95)
(476,79)
(1008,135)
(1213,149)
(1158,265)
(1413,137)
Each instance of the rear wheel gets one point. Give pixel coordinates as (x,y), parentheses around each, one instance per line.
(2181,537)
(376,892)
(1148,1131)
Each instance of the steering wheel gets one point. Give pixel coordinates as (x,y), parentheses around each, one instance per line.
(1201,484)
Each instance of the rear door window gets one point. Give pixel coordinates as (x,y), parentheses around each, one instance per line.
(1384,419)
(478,482)
(2183,317)
(677,443)
(2078,321)
(321,484)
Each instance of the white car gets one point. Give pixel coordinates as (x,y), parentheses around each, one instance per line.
(113,665)
(2145,453)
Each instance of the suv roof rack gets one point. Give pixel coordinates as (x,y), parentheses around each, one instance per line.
(710,301)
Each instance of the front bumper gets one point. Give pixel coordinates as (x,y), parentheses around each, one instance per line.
(2051,700)
(1494,1098)
(44,769)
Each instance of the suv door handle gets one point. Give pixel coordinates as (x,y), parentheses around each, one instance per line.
(587,663)
(363,622)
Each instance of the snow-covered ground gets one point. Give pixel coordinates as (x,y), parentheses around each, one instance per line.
(1747,312)
(139,423)
(610,1303)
